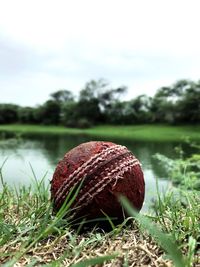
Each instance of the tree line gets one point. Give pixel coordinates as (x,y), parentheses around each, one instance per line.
(99,103)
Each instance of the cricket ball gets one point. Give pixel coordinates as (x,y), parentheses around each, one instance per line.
(106,170)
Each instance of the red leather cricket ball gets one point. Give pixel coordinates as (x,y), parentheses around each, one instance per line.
(108,170)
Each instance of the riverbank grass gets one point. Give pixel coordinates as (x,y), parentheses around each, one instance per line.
(138,132)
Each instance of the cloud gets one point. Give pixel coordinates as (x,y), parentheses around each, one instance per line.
(48,45)
(16,59)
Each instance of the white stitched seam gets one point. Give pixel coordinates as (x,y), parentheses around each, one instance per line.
(87,197)
(110,170)
(86,168)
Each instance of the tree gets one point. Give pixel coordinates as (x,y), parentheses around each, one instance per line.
(26,115)
(178,103)
(188,106)
(89,110)
(101,91)
(50,112)
(163,105)
(69,114)
(180,88)
(8,113)
(119,112)
(98,97)
(141,109)
(62,96)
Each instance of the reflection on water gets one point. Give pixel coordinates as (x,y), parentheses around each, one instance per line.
(43,153)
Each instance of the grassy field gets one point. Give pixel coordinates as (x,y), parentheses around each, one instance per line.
(30,235)
(138,132)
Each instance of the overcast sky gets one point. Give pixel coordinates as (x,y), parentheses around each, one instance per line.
(50,45)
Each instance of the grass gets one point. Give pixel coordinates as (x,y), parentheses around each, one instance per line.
(163,239)
(138,132)
(31,236)
(183,171)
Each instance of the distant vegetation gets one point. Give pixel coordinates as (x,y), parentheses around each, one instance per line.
(98,103)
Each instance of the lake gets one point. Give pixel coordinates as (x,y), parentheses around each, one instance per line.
(43,152)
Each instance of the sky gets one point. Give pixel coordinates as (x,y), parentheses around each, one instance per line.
(50,45)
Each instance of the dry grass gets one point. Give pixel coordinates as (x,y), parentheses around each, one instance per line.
(132,247)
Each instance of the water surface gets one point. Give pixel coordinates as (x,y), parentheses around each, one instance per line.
(43,153)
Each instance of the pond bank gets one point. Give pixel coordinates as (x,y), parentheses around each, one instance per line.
(132,132)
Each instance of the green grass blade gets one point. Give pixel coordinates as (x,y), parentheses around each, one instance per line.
(94,261)
(109,220)
(1,175)
(163,239)
(69,200)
